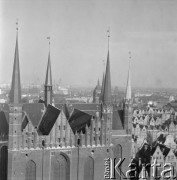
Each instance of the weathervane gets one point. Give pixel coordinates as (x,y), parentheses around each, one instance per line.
(17,25)
(49,42)
(108,31)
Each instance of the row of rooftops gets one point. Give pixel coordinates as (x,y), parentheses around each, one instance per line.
(150,127)
(35,112)
(147,155)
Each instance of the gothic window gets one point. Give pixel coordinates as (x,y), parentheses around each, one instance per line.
(89,169)
(60,168)
(30,170)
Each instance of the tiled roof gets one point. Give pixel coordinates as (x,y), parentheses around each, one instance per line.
(87,108)
(78,120)
(117,122)
(34,112)
(48,120)
(64,107)
(24,122)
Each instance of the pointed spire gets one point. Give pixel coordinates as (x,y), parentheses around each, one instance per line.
(128,88)
(15,92)
(48,80)
(107,81)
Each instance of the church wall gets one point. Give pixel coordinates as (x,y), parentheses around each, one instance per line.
(99,154)
(19,161)
(125,142)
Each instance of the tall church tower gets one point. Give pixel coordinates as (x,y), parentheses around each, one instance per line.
(48,92)
(15,115)
(107,109)
(128,105)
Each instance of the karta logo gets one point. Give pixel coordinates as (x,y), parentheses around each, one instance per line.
(111,168)
(158,171)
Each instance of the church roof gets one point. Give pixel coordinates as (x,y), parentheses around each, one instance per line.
(117,122)
(78,120)
(48,120)
(34,111)
(65,109)
(25,121)
(91,108)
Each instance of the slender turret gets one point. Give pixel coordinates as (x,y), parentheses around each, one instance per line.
(48,82)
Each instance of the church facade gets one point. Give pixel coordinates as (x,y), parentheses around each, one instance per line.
(48,141)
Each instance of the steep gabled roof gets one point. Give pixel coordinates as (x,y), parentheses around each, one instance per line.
(78,120)
(25,121)
(34,111)
(91,109)
(64,107)
(117,121)
(48,120)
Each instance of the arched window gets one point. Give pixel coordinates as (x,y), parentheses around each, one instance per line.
(30,170)
(3,163)
(89,169)
(60,168)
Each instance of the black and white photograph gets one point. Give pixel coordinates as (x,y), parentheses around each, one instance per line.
(88,89)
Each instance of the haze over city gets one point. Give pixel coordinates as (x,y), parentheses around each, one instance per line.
(78,32)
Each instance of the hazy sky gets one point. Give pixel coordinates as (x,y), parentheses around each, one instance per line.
(79,40)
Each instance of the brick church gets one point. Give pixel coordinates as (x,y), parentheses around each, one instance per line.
(48,141)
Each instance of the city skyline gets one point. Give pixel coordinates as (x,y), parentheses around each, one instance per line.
(78,32)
